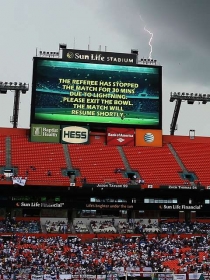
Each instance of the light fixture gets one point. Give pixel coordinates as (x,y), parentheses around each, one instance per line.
(49,54)
(5,86)
(17,88)
(148,61)
(62,46)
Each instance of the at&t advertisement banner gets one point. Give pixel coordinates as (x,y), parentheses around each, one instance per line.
(149,138)
(75,135)
(120,136)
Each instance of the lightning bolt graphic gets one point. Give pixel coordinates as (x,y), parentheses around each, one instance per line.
(151,37)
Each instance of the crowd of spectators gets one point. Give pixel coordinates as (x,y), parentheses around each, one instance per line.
(99,256)
(12,226)
(57,227)
(103,226)
(184,227)
(175,227)
(125,227)
(80,227)
(138,227)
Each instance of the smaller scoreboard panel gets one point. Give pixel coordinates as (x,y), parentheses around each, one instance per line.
(100,94)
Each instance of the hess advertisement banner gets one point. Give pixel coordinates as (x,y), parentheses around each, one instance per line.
(120,136)
(149,138)
(75,135)
(99,57)
(45,133)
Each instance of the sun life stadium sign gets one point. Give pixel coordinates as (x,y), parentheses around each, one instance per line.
(99,57)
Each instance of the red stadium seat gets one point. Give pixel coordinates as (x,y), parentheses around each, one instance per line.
(196,158)
(97,162)
(42,156)
(155,165)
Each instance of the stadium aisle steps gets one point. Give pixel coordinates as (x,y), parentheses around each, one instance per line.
(2,150)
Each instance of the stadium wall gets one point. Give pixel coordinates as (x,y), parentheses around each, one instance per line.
(89,236)
(185,139)
(14,131)
(97,137)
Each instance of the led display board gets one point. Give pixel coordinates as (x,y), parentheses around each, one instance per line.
(80,93)
(45,133)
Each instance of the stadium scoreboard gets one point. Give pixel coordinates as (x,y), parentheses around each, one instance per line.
(81,93)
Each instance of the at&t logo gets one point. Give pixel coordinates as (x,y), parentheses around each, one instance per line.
(149,137)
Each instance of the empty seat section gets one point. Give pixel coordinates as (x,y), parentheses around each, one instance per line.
(2,150)
(97,163)
(196,158)
(155,165)
(42,156)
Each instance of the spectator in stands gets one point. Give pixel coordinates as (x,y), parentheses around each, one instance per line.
(84,180)
(118,170)
(141,181)
(49,173)
(33,168)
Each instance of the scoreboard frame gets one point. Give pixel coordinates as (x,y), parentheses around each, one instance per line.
(33,119)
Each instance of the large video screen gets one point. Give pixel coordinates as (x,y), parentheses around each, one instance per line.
(100,94)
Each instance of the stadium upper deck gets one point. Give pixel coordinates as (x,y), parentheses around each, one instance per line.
(163,182)
(181,161)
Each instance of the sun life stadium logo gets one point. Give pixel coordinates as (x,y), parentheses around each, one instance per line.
(120,140)
(70,54)
(149,137)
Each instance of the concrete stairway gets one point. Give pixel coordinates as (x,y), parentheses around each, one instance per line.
(174,153)
(67,157)
(126,163)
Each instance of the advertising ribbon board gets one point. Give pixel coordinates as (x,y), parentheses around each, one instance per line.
(149,138)
(120,136)
(47,133)
(75,135)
